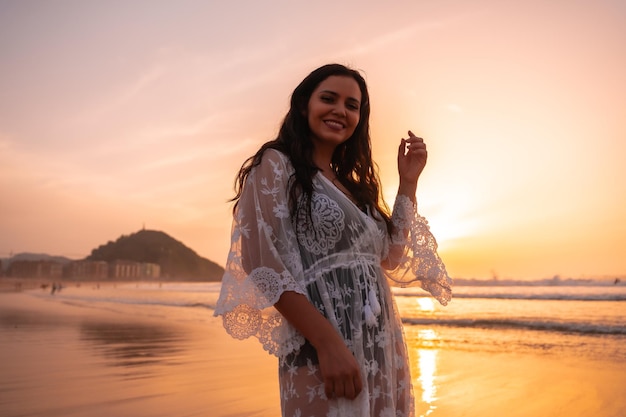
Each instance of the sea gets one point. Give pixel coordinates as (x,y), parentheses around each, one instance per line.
(550,348)
(585,319)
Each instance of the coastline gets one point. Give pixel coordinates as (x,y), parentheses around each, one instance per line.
(70,358)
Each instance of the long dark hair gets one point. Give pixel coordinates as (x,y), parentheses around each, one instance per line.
(351,161)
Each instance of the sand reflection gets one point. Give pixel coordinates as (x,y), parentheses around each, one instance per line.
(133,345)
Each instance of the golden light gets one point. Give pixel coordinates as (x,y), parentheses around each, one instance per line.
(427,366)
(448,227)
(425,304)
(448,223)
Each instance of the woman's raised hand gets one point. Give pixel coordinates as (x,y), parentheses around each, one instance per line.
(412,157)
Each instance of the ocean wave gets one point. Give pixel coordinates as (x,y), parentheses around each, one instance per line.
(526,296)
(528,292)
(503,324)
(551,282)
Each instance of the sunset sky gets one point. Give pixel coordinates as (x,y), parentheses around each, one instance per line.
(120,114)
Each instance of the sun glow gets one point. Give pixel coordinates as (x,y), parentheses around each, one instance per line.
(426,304)
(447,222)
(449,226)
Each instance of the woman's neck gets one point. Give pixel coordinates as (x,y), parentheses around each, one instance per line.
(322,158)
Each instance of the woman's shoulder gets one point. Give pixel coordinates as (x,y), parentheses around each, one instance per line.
(273,162)
(275,154)
(273,158)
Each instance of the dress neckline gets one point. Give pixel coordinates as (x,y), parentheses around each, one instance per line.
(365,211)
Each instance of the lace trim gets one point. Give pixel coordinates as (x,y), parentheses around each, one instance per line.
(274,333)
(402,218)
(246,315)
(419,263)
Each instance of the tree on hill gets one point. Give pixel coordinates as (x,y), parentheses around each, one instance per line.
(176,260)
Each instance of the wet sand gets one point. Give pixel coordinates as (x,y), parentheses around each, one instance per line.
(62,360)
(59,359)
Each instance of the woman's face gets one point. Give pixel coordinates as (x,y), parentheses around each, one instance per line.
(334,111)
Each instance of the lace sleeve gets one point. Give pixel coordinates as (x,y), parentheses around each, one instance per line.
(413,253)
(263,261)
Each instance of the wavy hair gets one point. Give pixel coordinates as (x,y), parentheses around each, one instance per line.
(351,161)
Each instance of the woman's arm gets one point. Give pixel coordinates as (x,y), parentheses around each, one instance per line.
(412,256)
(339,368)
(412,157)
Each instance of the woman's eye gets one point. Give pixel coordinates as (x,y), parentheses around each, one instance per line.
(327,99)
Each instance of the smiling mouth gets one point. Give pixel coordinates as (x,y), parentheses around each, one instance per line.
(334,124)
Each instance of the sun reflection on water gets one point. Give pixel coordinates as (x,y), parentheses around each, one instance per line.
(426,304)
(427,369)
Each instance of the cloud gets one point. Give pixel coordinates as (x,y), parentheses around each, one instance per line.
(121,96)
(384,40)
(144,81)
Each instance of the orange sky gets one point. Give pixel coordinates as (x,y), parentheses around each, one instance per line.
(116,115)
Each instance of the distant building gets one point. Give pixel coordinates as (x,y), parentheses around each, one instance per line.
(124,269)
(84,270)
(133,270)
(35,269)
(151,270)
(87,270)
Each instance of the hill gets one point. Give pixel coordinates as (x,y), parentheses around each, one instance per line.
(26,256)
(176,260)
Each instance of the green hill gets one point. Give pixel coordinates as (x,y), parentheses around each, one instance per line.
(177,261)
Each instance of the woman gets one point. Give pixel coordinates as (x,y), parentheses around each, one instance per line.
(313,247)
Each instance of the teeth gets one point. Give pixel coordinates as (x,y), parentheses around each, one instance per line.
(334,124)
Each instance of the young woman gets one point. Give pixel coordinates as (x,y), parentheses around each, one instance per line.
(313,248)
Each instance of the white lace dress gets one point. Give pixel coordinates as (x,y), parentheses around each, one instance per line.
(336,263)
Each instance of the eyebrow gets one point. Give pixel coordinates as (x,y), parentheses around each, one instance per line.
(335,94)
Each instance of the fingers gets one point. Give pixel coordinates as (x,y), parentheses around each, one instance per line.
(402,147)
(358,385)
(340,371)
(348,390)
(349,387)
(353,388)
(340,389)
(329,388)
(412,145)
(413,139)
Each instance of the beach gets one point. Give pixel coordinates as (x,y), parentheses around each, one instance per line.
(60,359)
(137,350)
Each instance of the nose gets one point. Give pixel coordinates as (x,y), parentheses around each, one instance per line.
(339,110)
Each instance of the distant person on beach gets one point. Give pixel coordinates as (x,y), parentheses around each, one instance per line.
(314,248)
